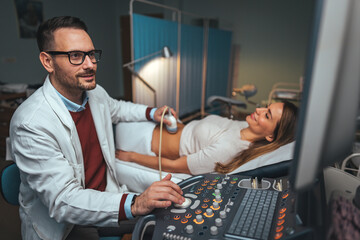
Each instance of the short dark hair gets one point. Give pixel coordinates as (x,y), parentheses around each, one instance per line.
(45,37)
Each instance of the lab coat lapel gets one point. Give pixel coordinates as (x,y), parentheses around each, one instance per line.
(63,114)
(98,114)
(57,105)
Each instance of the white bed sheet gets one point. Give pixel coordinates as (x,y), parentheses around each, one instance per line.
(137,178)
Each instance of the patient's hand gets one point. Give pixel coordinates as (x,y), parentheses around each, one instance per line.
(122,155)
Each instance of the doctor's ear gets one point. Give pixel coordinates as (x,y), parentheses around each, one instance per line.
(47,61)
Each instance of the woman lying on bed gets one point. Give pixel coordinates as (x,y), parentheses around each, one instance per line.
(212,144)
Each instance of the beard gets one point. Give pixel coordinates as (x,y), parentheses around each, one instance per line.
(73,82)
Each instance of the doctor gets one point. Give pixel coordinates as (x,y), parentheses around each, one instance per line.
(62,140)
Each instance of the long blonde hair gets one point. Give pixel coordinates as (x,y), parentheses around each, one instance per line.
(284,133)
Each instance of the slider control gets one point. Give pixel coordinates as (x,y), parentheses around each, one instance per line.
(254,183)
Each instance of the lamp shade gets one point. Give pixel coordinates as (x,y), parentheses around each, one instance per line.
(165,52)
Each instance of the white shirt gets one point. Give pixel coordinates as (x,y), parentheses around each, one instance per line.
(210,140)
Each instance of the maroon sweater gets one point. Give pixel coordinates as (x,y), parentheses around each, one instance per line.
(94,163)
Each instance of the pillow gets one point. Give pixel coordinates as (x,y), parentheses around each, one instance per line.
(283,153)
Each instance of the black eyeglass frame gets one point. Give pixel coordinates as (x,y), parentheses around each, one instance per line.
(83,59)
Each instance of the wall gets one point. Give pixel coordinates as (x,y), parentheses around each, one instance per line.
(102,19)
(272,35)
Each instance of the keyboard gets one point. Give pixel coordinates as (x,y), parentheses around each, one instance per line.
(254,216)
(227,207)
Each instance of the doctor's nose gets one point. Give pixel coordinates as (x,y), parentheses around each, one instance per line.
(88,62)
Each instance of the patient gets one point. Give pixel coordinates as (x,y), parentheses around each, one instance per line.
(215,143)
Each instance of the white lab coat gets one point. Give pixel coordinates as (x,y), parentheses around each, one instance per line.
(47,150)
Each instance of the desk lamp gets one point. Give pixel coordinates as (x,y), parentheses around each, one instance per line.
(165,52)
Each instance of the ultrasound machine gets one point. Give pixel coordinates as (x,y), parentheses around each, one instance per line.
(291,207)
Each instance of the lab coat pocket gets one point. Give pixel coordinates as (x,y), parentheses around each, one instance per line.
(45,227)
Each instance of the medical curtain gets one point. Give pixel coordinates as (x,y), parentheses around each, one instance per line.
(218,62)
(151,34)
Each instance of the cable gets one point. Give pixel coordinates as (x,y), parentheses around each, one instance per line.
(160,139)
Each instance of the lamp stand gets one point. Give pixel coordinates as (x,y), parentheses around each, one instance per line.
(143,80)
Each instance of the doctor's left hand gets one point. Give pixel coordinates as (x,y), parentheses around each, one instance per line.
(159,195)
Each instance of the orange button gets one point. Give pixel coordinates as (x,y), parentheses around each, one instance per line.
(279,229)
(197,192)
(285,195)
(203,184)
(278,235)
(188,215)
(200,188)
(204,205)
(198,211)
(184,220)
(206,200)
(281,215)
(209,187)
(280,222)
(176,217)
(282,210)
(198,222)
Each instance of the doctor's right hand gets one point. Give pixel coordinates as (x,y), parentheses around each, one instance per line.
(159,195)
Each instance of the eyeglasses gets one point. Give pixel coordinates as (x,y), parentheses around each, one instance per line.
(78,57)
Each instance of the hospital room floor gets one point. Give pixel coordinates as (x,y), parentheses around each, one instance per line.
(9,220)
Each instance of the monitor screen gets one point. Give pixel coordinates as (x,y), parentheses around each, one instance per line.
(330,104)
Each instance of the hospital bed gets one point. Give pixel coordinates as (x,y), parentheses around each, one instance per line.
(286,91)
(215,103)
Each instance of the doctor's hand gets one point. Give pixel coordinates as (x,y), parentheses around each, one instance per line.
(159,195)
(158,113)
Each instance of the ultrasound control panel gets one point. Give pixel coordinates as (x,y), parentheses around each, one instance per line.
(228,207)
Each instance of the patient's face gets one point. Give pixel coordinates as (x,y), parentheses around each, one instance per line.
(263,121)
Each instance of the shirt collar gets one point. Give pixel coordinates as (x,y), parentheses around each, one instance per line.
(71,106)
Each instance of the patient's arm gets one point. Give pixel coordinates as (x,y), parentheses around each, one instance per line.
(175,166)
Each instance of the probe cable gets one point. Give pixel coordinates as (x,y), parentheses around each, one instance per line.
(160,139)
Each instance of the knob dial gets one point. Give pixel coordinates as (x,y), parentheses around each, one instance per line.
(214,230)
(222,214)
(215,205)
(199,218)
(189,229)
(218,222)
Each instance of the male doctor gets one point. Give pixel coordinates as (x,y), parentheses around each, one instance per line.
(62,140)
